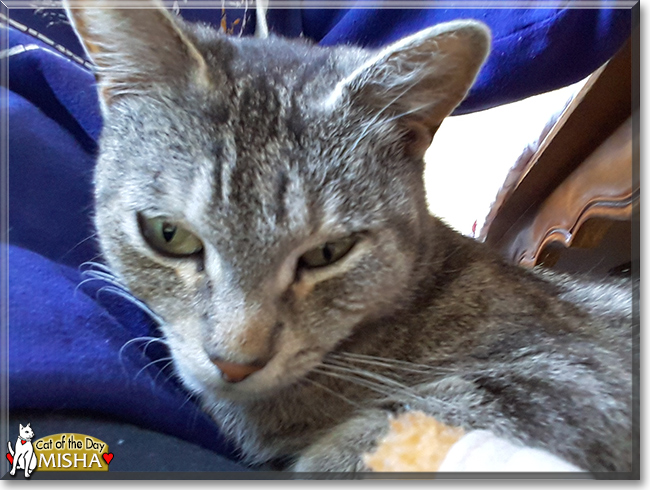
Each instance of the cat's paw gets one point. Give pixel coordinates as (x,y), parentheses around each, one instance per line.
(342,449)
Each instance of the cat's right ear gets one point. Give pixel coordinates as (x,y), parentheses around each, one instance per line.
(420,79)
(134,48)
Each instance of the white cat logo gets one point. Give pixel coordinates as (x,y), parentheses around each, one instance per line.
(23,457)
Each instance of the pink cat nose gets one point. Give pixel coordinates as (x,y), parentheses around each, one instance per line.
(234,372)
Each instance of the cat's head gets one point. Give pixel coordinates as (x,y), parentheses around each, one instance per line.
(25,432)
(264,197)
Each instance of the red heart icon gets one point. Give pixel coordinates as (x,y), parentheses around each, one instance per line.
(108,457)
(22,441)
(10,458)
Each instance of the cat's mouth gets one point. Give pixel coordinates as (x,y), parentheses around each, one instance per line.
(252,382)
(220,372)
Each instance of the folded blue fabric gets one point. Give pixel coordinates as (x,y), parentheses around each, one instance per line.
(68,344)
(72,349)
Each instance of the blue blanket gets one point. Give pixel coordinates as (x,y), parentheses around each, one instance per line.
(70,345)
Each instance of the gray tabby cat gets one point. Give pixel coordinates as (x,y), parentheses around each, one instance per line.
(265,198)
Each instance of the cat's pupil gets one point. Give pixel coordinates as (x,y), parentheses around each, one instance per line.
(168,231)
(327,252)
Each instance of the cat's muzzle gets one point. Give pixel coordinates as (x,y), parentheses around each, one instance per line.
(233,372)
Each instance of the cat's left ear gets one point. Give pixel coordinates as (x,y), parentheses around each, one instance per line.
(134,48)
(420,79)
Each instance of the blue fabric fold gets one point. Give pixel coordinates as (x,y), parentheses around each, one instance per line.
(72,348)
(69,344)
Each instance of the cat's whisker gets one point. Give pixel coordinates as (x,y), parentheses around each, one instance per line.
(190,396)
(149,341)
(95,265)
(322,408)
(389,361)
(402,392)
(152,341)
(368,375)
(387,371)
(162,359)
(110,278)
(386,364)
(361,382)
(85,281)
(332,392)
(94,257)
(134,340)
(91,263)
(77,245)
(373,383)
(399,361)
(400,389)
(133,300)
(93,275)
(161,370)
(93,279)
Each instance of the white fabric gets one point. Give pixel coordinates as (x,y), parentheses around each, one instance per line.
(482,451)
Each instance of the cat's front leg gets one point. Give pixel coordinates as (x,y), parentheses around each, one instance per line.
(343,447)
(30,464)
(33,464)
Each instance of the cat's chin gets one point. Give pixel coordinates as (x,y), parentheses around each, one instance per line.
(254,388)
(287,368)
(269,382)
(237,394)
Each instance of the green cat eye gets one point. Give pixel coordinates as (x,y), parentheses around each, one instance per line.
(327,253)
(168,237)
